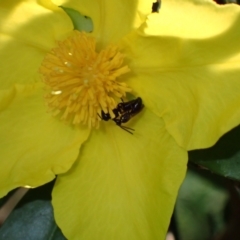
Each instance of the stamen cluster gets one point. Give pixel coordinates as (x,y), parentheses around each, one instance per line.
(81,82)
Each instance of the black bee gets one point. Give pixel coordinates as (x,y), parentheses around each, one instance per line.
(124,112)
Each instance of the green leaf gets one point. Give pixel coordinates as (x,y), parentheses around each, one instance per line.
(200,205)
(32,221)
(229,168)
(223,158)
(80,22)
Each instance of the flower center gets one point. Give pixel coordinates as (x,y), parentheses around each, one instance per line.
(81,82)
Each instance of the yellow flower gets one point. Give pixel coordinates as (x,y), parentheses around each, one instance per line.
(184,64)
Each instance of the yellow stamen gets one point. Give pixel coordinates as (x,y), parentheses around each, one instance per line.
(81,82)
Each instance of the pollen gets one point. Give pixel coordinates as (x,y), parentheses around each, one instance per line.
(81,82)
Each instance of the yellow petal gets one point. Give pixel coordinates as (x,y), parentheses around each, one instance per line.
(191,19)
(34,145)
(37,23)
(28,30)
(19,62)
(122,186)
(192,83)
(111,19)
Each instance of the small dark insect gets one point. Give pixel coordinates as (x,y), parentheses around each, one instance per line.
(156,6)
(130,106)
(124,112)
(106,116)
